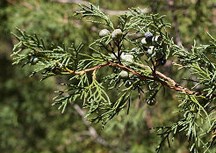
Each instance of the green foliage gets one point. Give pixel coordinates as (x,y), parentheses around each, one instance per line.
(141,46)
(65,61)
(30,124)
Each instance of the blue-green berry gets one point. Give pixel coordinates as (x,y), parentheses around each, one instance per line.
(148,35)
(143,41)
(33,60)
(117,33)
(151,102)
(156,38)
(104,32)
(162,61)
(150,50)
(123,74)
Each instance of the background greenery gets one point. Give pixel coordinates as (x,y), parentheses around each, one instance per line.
(29,123)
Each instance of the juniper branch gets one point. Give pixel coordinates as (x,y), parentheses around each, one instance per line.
(131,64)
(157,76)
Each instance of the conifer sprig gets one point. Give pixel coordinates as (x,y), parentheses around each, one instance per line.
(129,57)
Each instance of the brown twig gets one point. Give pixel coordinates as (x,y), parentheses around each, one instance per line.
(170,83)
(92,132)
(86,70)
(156,76)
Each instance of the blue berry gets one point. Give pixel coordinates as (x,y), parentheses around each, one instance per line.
(150,50)
(117,33)
(161,61)
(143,41)
(104,32)
(33,60)
(151,102)
(124,74)
(156,38)
(148,35)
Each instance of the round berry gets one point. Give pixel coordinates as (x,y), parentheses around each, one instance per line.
(148,35)
(162,61)
(34,60)
(143,41)
(128,83)
(156,38)
(151,102)
(150,50)
(117,33)
(104,32)
(124,74)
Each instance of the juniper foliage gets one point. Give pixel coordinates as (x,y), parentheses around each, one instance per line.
(140,48)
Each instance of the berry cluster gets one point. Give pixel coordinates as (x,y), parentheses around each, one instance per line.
(154,47)
(117,33)
(150,45)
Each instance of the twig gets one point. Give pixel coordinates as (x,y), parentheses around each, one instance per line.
(156,76)
(86,70)
(172,84)
(93,133)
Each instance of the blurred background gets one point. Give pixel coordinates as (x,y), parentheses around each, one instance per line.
(28,121)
